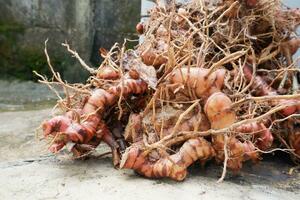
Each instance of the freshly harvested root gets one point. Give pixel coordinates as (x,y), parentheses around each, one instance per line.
(207,81)
(263,136)
(193,122)
(238,152)
(199,80)
(108,73)
(261,88)
(251,3)
(84,135)
(152,128)
(140,28)
(293,136)
(291,45)
(171,166)
(152,58)
(65,129)
(102,134)
(164,122)
(134,129)
(100,99)
(219,112)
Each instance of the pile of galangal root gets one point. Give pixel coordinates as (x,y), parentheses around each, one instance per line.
(211,80)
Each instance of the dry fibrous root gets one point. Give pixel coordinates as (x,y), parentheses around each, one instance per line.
(210,80)
(85,121)
(90,125)
(174,161)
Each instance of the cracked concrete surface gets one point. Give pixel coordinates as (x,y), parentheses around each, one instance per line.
(28,171)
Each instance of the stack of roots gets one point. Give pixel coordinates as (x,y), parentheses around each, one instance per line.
(210,80)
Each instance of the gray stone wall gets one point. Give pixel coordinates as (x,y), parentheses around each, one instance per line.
(85,24)
(114,21)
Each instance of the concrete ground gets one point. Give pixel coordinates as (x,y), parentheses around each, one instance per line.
(28,171)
